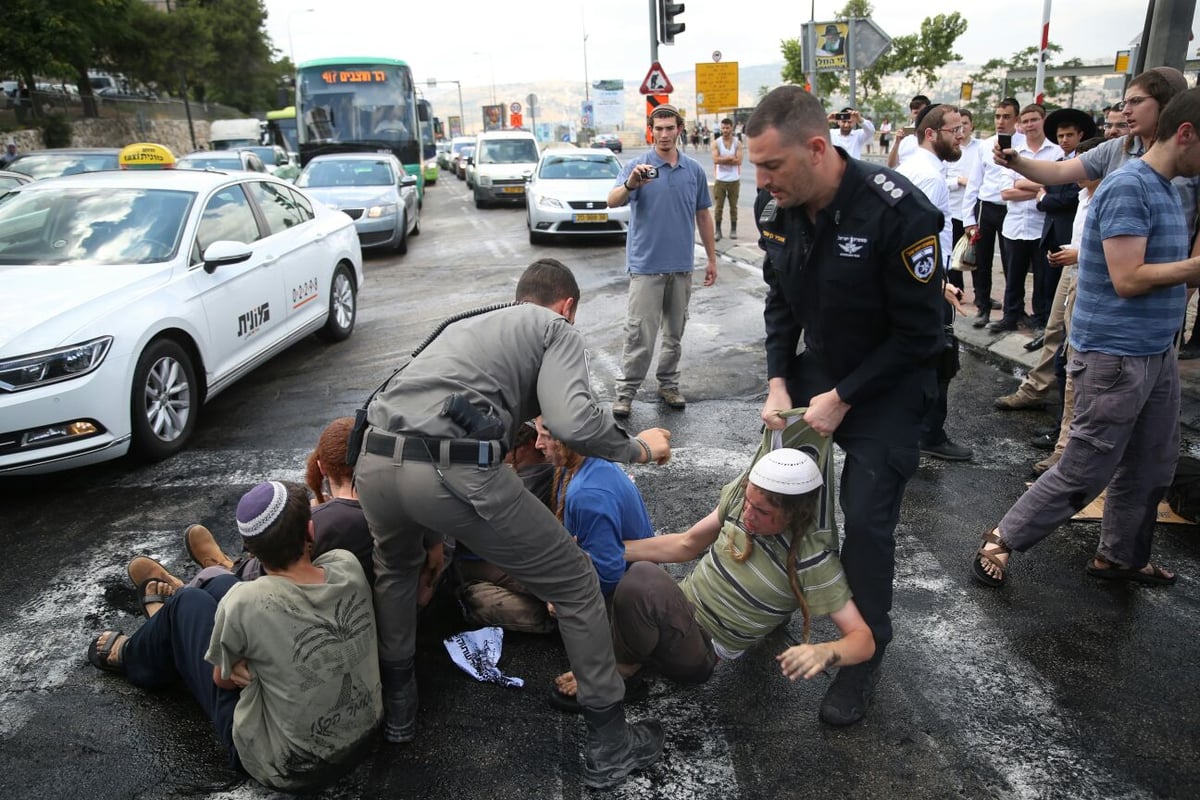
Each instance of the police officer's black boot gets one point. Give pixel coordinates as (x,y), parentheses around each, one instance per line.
(399,700)
(616,748)
(849,696)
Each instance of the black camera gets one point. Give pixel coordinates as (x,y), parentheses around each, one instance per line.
(651,172)
(842,116)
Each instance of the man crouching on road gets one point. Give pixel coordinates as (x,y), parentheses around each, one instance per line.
(852,264)
(432,462)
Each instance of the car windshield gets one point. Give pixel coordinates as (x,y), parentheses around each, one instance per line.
(508,151)
(54,165)
(573,168)
(91,225)
(267,154)
(346,173)
(226,161)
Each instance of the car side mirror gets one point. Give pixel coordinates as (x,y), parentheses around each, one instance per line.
(470,161)
(408,180)
(225,254)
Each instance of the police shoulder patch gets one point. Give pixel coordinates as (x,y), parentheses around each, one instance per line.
(921,258)
(890,186)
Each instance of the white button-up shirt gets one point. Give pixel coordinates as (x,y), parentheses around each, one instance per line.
(988,178)
(853,141)
(925,170)
(1023,220)
(971,150)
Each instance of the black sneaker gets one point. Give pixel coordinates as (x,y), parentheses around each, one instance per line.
(849,696)
(947,451)
(1044,441)
(982,317)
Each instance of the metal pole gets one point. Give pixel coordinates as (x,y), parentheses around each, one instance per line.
(654,32)
(1039,87)
(850,26)
(810,49)
(1139,64)
(1167,44)
(462,116)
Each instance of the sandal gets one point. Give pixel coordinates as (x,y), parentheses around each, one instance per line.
(1112,571)
(99,654)
(145,572)
(985,558)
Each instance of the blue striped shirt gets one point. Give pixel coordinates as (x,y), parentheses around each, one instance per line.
(1133,201)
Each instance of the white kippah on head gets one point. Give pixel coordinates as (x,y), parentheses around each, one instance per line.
(786,471)
(260,507)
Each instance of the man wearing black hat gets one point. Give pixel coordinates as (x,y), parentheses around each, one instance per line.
(832,44)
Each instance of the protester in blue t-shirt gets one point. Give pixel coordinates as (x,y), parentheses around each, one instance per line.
(1133,267)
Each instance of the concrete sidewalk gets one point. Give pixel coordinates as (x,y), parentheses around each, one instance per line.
(1006,349)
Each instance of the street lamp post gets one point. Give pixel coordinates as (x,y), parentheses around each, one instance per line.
(292,50)
(462,117)
(492,70)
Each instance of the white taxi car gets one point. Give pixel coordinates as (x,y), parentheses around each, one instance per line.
(567,195)
(129,298)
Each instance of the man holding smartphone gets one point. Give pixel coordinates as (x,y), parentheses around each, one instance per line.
(851,131)
(984,208)
(668,196)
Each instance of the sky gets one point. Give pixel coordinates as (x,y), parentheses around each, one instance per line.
(483,42)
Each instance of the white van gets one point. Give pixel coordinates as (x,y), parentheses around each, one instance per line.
(502,162)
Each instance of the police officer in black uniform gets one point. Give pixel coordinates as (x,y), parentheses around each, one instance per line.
(851,265)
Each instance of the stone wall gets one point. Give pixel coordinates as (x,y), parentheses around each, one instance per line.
(120,132)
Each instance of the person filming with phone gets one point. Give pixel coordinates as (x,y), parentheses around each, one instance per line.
(668,197)
(853,131)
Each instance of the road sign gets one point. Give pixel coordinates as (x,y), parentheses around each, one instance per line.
(515,108)
(870,42)
(716,55)
(531,99)
(716,87)
(656,81)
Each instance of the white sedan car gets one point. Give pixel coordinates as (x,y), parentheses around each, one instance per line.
(567,195)
(130,298)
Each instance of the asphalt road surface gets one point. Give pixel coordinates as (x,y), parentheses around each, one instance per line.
(1058,686)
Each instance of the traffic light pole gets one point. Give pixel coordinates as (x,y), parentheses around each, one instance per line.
(653,31)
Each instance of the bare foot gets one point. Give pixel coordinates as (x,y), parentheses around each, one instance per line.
(156,587)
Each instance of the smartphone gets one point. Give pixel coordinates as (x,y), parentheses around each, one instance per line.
(909,130)
(1005,140)
(652,172)
(842,115)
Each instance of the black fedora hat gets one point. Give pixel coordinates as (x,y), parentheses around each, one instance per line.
(1069,116)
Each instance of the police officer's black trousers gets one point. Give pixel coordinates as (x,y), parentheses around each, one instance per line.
(880,438)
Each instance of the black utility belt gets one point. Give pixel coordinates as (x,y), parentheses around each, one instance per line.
(437,451)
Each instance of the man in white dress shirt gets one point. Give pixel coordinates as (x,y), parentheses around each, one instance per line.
(938,137)
(851,132)
(956,183)
(984,208)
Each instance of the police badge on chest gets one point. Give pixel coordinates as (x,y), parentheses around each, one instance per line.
(850,246)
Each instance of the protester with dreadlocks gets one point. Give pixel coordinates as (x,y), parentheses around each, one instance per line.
(766,550)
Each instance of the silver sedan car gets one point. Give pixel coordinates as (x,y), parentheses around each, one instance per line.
(567,195)
(374,190)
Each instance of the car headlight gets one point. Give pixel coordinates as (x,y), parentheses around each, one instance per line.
(374,212)
(483,180)
(52,366)
(549,202)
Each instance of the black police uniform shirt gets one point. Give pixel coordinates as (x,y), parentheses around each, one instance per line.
(862,285)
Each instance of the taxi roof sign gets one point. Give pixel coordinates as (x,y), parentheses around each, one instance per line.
(146,155)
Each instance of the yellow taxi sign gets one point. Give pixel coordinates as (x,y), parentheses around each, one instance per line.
(146,155)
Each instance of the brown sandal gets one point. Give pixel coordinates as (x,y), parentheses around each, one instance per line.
(985,558)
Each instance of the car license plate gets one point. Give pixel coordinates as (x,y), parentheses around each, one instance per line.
(591,217)
(514,190)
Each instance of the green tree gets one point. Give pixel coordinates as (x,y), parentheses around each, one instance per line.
(991,83)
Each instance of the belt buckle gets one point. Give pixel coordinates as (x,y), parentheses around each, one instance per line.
(485,454)
(444,453)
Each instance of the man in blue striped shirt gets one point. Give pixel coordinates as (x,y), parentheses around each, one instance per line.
(1133,271)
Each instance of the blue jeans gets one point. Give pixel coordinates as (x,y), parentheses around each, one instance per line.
(171,645)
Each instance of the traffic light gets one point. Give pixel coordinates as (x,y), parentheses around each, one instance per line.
(668,28)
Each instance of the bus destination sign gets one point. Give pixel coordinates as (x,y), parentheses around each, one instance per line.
(354,76)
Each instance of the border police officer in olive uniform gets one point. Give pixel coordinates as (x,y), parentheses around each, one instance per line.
(431,463)
(851,264)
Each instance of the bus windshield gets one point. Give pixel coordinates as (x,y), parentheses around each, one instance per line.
(346,105)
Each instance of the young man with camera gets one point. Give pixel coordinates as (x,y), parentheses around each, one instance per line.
(668,197)
(852,131)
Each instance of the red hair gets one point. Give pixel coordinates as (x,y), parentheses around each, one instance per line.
(331,451)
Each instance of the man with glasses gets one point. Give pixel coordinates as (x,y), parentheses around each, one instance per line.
(939,134)
(1114,123)
(984,208)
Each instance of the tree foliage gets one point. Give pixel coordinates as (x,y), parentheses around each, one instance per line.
(991,83)
(918,56)
(217,48)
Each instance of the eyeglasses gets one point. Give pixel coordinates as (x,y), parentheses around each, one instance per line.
(1118,125)
(955,131)
(1131,102)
